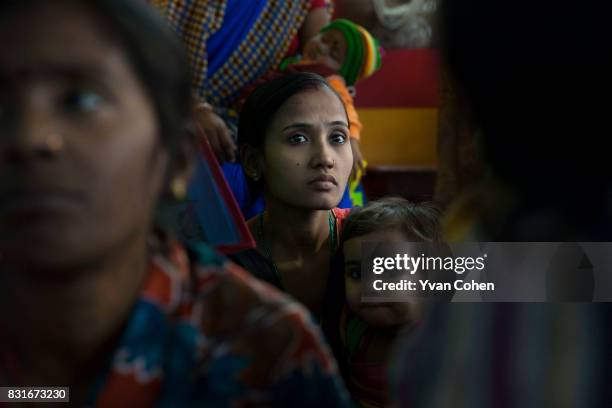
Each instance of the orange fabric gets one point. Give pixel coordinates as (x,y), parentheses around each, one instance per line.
(338,84)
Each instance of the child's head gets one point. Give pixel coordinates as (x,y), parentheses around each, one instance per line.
(390,220)
(346,48)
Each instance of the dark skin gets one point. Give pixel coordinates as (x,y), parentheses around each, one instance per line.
(300,252)
(81,170)
(387,319)
(308,137)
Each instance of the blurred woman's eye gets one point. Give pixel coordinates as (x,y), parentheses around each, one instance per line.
(297,139)
(354,273)
(338,138)
(79,101)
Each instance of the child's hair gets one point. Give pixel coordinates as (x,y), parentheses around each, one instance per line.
(363,51)
(419,221)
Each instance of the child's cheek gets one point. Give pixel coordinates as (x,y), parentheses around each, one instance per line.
(408,312)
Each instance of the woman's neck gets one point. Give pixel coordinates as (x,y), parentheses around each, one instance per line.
(297,228)
(64,325)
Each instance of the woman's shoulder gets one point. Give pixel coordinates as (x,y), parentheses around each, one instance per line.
(225,280)
(272,335)
(257,344)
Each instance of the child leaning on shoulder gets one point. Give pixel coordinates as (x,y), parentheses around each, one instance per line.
(369,330)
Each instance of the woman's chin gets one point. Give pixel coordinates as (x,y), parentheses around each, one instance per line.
(320,201)
(325,204)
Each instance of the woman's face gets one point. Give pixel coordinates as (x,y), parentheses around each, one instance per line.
(81,165)
(307,156)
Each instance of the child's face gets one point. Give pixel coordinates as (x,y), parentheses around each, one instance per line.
(375,314)
(328,48)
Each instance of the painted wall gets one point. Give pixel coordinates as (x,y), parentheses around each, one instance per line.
(398,107)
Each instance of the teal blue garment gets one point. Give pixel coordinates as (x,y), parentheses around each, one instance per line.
(239,18)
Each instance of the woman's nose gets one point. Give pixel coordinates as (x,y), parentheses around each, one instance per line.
(322,156)
(30,132)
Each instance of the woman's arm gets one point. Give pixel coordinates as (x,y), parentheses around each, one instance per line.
(216,131)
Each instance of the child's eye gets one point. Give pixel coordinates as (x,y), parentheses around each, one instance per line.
(297,139)
(80,101)
(338,138)
(354,273)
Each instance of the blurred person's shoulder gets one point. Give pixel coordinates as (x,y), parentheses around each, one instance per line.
(254,321)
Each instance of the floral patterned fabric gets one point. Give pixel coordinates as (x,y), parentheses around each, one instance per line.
(205,333)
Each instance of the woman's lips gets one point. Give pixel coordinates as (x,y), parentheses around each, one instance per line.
(39,201)
(323,182)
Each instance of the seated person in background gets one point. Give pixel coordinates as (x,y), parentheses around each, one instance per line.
(343,53)
(98,296)
(232,43)
(368,330)
(294,138)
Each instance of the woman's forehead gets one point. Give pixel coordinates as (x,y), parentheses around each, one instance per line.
(313,106)
(66,37)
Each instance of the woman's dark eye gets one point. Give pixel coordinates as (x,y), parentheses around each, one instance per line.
(339,138)
(297,139)
(354,273)
(82,101)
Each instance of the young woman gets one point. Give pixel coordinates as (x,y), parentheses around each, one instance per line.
(294,137)
(94,131)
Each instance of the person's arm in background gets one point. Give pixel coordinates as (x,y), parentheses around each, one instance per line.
(216,131)
(214,128)
(355,126)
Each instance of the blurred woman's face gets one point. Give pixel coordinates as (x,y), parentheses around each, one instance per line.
(328,48)
(81,166)
(307,153)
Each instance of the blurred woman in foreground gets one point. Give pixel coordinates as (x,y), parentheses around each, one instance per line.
(94,134)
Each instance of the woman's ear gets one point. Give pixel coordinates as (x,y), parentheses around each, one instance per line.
(252,162)
(182,162)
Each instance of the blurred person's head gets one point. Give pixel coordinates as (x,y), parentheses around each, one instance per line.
(346,48)
(387,221)
(531,75)
(94,128)
(294,139)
